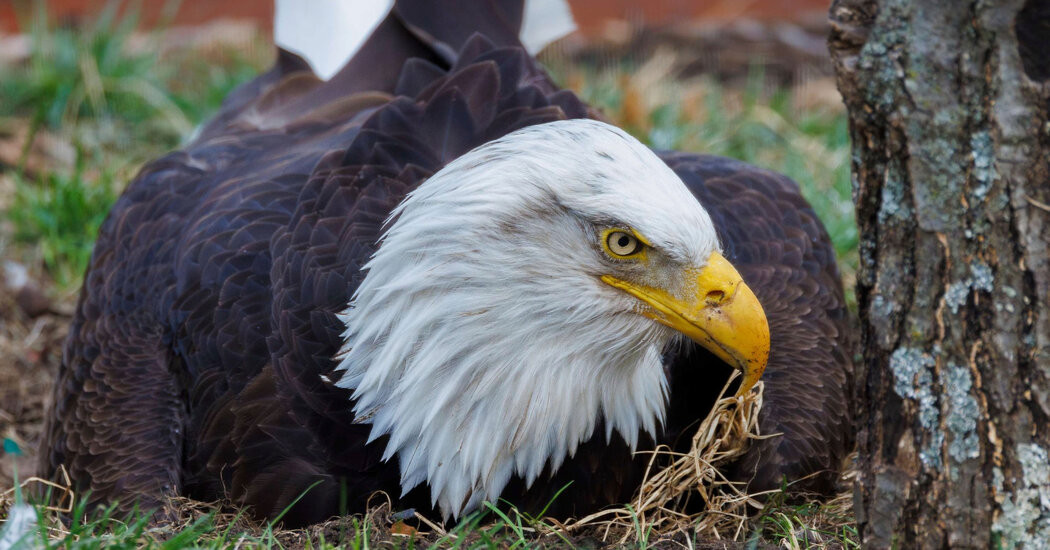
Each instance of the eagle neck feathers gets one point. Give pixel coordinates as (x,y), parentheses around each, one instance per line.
(482,346)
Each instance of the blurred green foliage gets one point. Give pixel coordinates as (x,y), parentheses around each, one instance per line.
(60,216)
(91,74)
(119,101)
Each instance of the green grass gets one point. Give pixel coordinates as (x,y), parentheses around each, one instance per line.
(91,74)
(105,529)
(803,526)
(807,526)
(119,102)
(59,215)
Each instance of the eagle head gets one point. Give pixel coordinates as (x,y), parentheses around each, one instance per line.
(527,290)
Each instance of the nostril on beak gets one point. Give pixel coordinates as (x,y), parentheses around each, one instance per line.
(714,297)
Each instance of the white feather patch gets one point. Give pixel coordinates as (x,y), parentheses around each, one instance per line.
(326,33)
(544,22)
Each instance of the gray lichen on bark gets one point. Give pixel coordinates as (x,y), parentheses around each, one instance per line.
(913,379)
(963,414)
(1022,521)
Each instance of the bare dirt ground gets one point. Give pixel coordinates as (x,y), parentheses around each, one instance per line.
(30,352)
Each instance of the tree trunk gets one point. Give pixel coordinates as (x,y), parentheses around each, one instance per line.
(948,104)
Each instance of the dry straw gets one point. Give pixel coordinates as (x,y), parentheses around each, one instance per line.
(656,508)
(61,494)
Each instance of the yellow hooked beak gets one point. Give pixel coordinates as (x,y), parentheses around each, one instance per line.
(720,313)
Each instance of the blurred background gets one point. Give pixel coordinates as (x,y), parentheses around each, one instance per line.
(90,90)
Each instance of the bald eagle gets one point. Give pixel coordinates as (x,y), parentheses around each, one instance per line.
(438,275)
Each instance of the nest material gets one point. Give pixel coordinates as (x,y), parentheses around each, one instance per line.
(722,437)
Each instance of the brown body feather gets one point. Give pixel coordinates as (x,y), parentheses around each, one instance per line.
(194,363)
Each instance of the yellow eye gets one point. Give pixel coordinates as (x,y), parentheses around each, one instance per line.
(621,243)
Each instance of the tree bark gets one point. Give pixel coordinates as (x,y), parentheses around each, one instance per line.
(948,107)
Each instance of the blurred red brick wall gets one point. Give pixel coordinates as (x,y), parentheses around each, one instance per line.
(590,14)
(190,12)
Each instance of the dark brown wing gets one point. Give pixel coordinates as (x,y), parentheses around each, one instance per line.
(773,237)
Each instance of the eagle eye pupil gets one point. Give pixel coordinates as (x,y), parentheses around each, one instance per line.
(621,244)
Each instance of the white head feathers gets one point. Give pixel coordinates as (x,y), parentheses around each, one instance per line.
(482,339)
